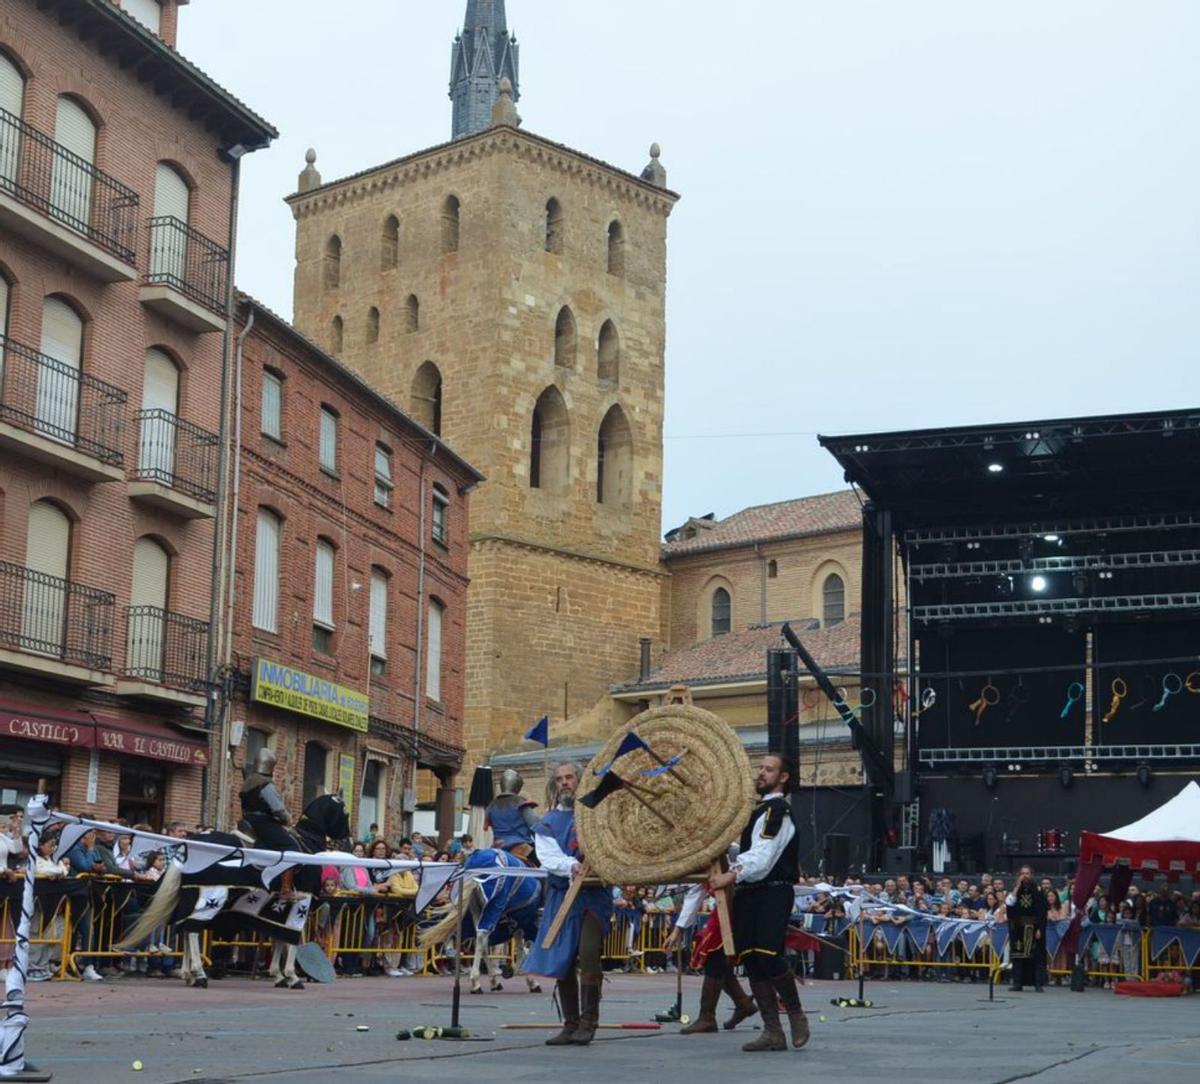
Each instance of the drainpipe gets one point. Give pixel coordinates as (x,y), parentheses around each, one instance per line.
(226,641)
(418,682)
(234,156)
(762,584)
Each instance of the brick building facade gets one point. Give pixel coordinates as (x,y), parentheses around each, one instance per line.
(118,177)
(349,552)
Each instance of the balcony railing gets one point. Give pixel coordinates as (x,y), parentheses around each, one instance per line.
(177,454)
(165,648)
(42,174)
(189,262)
(47,616)
(53,399)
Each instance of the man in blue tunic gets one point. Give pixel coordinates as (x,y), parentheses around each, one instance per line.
(581,938)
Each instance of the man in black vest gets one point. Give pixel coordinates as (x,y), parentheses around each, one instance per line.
(1027,908)
(764,877)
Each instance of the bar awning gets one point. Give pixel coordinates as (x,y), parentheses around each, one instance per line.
(89,730)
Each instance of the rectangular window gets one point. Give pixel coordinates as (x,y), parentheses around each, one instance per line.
(441,518)
(329,435)
(256,740)
(266,571)
(272,405)
(383,476)
(323,598)
(378,626)
(433,651)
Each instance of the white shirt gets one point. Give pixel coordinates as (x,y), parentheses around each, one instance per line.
(755,863)
(691,904)
(551,856)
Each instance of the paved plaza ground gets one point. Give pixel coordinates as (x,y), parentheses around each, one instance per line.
(244,1030)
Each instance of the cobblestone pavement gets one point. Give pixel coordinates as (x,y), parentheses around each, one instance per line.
(246,1030)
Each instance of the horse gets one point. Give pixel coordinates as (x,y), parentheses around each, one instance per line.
(499,908)
(281,914)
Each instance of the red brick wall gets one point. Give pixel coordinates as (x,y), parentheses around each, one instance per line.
(285,476)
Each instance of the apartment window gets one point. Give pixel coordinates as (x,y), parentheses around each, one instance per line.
(316,772)
(271,412)
(266,570)
(722,606)
(147,12)
(433,650)
(378,624)
(383,476)
(441,509)
(329,436)
(323,599)
(256,741)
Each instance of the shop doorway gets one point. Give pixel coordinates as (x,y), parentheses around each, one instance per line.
(141,792)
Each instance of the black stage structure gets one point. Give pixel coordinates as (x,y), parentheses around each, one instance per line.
(1045,578)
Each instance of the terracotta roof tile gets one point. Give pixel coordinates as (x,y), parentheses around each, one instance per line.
(820,514)
(742,654)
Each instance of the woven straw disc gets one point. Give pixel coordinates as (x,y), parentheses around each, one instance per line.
(624,842)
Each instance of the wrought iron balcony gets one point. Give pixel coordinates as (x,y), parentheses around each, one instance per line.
(177,454)
(55,619)
(43,175)
(188,262)
(165,648)
(59,406)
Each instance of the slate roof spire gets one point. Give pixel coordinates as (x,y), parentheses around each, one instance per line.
(483,53)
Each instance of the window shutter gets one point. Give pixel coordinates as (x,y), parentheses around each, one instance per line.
(57,385)
(168,242)
(12,96)
(44,604)
(328,439)
(71,183)
(433,651)
(323,586)
(170,194)
(379,592)
(266,571)
(272,405)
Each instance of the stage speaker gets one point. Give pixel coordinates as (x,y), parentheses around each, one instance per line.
(901,860)
(831,960)
(837,855)
(903,791)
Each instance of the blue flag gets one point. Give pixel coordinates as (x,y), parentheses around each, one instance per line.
(628,744)
(540,731)
(610,784)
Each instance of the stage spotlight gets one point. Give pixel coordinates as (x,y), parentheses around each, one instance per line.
(989,777)
(1066,777)
(1050,538)
(995,468)
(1144,775)
(1039,583)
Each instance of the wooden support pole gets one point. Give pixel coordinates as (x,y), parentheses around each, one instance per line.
(564,908)
(724,915)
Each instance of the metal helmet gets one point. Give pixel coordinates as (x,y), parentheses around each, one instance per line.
(511,781)
(265,761)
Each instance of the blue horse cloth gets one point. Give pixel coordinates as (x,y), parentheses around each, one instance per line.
(558,961)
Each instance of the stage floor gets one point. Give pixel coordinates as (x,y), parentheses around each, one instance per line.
(243,1030)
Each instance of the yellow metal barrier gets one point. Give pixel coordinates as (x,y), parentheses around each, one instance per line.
(52,930)
(868,948)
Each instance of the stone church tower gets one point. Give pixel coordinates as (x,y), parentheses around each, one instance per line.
(509,292)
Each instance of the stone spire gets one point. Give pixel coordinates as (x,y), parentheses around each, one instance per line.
(309,177)
(483,54)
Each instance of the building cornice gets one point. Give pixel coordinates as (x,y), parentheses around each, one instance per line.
(483,537)
(500,139)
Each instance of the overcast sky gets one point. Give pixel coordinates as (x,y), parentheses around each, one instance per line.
(894,214)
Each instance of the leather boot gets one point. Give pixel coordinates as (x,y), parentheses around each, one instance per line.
(568,1002)
(710,994)
(589,1010)
(743,1003)
(772,1037)
(785,986)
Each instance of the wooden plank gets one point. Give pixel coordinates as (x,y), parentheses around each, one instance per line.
(564,908)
